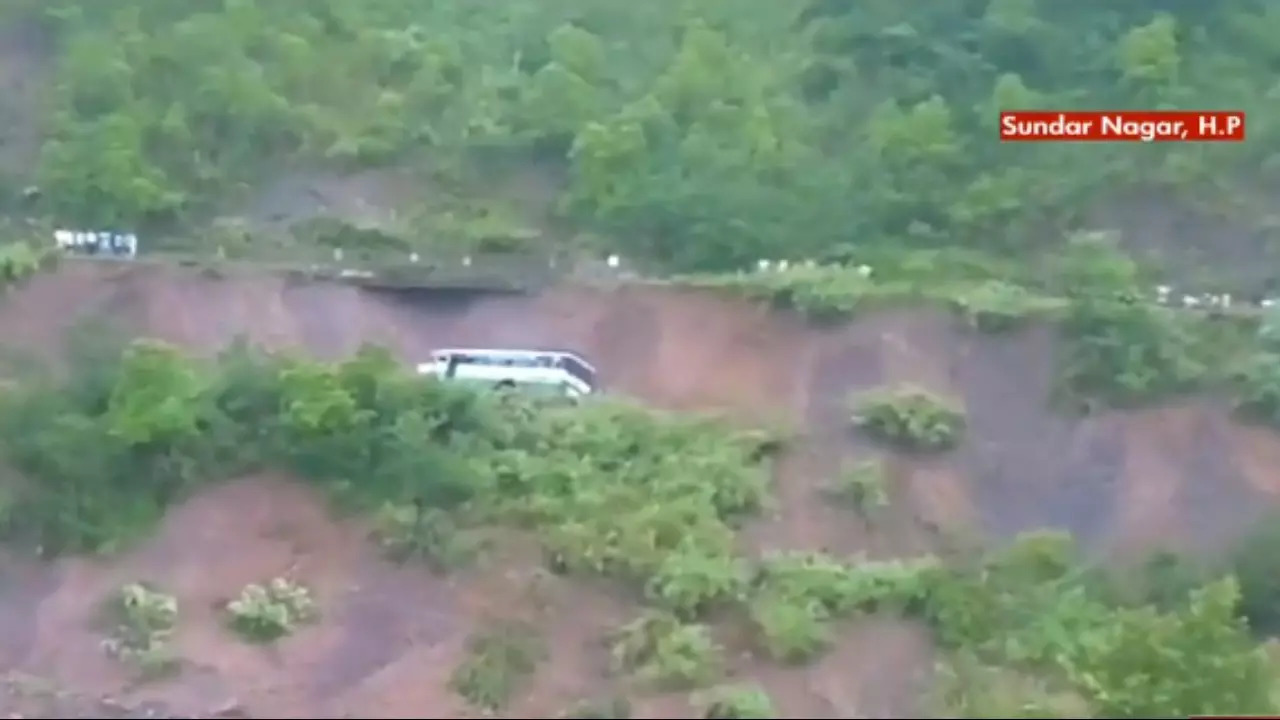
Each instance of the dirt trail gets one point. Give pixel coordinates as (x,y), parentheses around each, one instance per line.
(1185,477)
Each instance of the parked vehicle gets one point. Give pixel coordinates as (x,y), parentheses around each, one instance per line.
(558,373)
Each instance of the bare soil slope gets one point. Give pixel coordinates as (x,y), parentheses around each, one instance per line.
(1182,476)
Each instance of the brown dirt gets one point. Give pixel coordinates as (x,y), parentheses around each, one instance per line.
(1184,477)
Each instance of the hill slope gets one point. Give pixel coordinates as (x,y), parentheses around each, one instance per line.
(697,140)
(1184,477)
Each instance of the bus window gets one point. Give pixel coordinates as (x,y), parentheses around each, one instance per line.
(577,369)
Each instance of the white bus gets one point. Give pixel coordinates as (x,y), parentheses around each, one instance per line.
(109,244)
(554,372)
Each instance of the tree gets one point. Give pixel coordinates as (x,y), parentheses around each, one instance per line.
(697,139)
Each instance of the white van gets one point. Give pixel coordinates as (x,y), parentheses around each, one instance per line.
(551,372)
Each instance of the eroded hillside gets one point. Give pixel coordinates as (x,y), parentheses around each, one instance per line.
(1185,476)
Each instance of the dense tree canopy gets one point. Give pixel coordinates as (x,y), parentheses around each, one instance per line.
(692,131)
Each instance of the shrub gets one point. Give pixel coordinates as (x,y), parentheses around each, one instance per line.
(671,654)
(410,532)
(997,307)
(689,582)
(265,613)
(825,293)
(741,702)
(909,418)
(616,490)
(19,261)
(499,662)
(1257,389)
(863,486)
(1165,580)
(1119,352)
(1119,348)
(791,629)
(1257,568)
(1030,610)
(967,688)
(799,595)
(142,623)
(1209,665)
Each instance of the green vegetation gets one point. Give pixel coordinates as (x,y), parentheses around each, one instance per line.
(1257,378)
(267,612)
(966,688)
(800,597)
(743,702)
(909,418)
(1117,347)
(1121,349)
(991,295)
(19,261)
(1255,564)
(414,532)
(650,500)
(1030,611)
(660,649)
(500,662)
(701,138)
(695,139)
(142,621)
(864,486)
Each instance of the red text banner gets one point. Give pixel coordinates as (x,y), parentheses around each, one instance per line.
(1122,126)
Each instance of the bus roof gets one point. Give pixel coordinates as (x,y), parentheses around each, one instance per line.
(501,352)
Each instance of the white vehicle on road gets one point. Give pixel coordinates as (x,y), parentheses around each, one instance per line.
(541,372)
(109,244)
